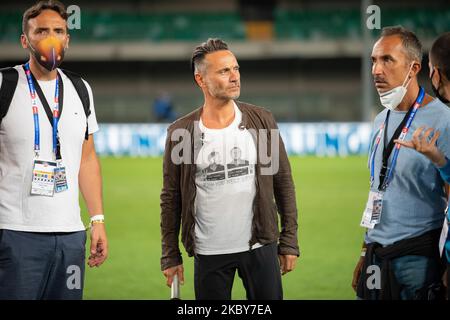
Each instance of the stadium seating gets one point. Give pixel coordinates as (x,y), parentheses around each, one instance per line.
(323,24)
(109,26)
(193,26)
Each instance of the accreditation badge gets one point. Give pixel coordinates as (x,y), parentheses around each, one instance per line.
(372,213)
(60,178)
(43,182)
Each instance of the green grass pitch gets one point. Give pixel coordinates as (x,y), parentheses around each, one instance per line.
(331,195)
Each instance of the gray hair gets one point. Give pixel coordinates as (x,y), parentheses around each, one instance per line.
(210,46)
(410,42)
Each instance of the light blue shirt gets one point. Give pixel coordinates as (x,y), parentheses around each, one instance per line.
(445,171)
(414,201)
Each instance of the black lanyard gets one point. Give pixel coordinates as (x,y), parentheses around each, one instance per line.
(388,147)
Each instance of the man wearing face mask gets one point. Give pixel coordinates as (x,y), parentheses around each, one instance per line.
(424,140)
(403,216)
(47,155)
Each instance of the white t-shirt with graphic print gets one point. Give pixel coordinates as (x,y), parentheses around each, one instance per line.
(225,180)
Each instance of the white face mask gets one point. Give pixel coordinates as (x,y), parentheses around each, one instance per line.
(392,98)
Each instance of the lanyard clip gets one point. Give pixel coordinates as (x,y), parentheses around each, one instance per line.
(384,186)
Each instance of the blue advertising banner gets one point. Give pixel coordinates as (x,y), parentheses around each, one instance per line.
(315,139)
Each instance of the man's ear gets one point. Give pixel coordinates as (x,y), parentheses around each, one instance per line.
(442,76)
(436,74)
(415,69)
(24,41)
(199,79)
(68,41)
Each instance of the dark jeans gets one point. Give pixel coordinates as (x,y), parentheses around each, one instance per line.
(259,270)
(41,265)
(414,274)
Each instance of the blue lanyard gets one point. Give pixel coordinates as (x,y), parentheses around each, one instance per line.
(447,215)
(31,87)
(402,136)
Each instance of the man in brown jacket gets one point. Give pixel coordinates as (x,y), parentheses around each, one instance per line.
(227,215)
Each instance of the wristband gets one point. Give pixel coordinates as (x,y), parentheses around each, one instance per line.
(98,217)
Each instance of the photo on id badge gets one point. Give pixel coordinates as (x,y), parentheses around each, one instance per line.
(60,179)
(373,210)
(376,212)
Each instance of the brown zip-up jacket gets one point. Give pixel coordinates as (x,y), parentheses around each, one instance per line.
(273,192)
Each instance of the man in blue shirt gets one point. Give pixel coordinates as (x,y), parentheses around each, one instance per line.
(439,63)
(403,217)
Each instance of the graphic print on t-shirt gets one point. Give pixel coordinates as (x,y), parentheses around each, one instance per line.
(226,188)
(237,167)
(216,171)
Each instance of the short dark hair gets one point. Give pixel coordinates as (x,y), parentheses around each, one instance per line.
(410,42)
(40,6)
(210,46)
(440,54)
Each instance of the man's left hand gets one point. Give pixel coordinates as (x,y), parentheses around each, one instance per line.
(287,263)
(99,245)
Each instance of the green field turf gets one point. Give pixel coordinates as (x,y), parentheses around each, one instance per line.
(331,195)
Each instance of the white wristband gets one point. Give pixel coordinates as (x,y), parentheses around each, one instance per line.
(98,217)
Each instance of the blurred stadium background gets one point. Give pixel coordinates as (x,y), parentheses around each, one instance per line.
(305,60)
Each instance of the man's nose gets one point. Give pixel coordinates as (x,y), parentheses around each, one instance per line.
(234,76)
(377,69)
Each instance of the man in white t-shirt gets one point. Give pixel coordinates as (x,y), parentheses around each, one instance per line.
(224,200)
(47,155)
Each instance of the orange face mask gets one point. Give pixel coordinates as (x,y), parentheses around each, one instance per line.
(49,52)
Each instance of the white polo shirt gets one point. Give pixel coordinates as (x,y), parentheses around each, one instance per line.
(19,210)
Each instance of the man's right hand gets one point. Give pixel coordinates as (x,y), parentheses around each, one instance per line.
(357,273)
(169,273)
(423,143)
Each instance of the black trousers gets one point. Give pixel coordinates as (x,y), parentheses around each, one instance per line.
(259,270)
